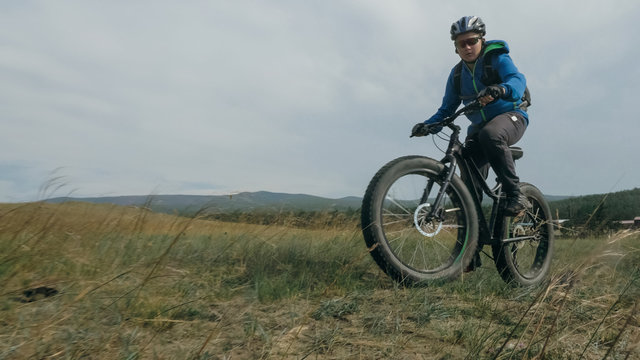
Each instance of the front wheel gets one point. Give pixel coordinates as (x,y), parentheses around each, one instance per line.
(524,254)
(404,237)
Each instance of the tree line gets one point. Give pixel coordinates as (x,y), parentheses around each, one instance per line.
(349,218)
(591,212)
(604,211)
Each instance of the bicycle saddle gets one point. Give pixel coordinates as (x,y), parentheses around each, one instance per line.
(516,152)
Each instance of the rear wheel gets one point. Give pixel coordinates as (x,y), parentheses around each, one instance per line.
(524,255)
(408,244)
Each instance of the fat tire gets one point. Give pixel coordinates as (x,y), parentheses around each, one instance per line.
(527,273)
(377,239)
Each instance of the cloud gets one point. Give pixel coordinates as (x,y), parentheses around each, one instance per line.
(287,96)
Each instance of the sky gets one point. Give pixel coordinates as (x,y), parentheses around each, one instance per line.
(108,98)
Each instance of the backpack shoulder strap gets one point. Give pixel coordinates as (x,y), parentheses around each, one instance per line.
(490,75)
(457,72)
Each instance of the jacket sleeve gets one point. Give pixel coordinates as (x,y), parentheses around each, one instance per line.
(450,103)
(513,80)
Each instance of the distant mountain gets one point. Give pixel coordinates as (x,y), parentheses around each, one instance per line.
(618,206)
(246,201)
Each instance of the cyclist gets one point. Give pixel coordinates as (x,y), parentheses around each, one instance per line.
(503,118)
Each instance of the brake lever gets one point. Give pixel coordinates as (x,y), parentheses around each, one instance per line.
(474,106)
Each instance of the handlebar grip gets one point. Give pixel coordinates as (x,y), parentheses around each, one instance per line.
(495,93)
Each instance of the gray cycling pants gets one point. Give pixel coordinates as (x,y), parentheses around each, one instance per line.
(490,146)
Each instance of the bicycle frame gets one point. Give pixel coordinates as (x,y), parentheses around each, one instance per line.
(472,178)
(490,231)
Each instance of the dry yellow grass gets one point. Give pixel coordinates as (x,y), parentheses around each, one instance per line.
(135,284)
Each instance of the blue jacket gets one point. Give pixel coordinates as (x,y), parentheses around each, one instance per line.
(513,81)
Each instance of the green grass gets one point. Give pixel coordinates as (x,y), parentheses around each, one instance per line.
(133,284)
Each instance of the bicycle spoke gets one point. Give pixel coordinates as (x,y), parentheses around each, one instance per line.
(441,245)
(401,231)
(387,223)
(396,215)
(413,257)
(398,205)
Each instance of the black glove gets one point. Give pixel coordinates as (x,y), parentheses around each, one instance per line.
(422,129)
(495,91)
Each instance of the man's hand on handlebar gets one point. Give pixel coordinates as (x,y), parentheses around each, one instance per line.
(485,96)
(490,94)
(422,129)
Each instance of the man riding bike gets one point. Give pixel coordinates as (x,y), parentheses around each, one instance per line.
(486,72)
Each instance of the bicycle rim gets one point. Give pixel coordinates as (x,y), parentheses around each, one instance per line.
(422,245)
(529,256)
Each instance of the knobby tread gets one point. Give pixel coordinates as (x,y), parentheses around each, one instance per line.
(379,184)
(501,252)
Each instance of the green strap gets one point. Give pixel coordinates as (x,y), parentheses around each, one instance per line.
(475,87)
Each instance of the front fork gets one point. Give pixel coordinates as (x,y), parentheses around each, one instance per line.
(437,211)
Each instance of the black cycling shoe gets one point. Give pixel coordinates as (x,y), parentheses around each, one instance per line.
(516,204)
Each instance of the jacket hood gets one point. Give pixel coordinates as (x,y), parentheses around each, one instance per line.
(498,46)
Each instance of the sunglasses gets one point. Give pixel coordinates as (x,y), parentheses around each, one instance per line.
(470,42)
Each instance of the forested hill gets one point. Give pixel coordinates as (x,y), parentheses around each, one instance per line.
(622,205)
(245,202)
(612,207)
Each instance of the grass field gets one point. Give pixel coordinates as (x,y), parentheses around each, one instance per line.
(112,282)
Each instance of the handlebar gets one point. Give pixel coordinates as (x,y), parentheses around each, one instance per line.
(422,129)
(472,106)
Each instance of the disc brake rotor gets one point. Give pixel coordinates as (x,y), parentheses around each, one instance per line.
(426,228)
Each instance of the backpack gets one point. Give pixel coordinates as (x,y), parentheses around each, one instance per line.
(489,76)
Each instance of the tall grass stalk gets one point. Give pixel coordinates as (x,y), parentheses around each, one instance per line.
(135,284)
